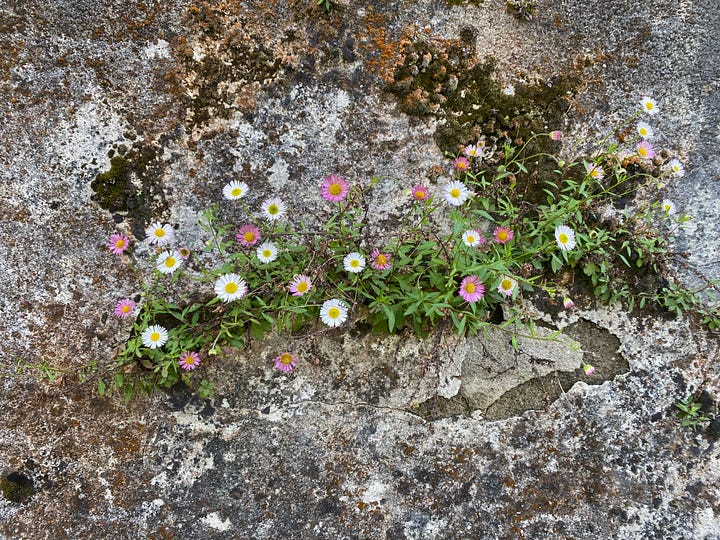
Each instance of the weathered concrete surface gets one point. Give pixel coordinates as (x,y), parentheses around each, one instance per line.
(280,94)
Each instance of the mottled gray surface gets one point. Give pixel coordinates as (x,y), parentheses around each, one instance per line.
(356,442)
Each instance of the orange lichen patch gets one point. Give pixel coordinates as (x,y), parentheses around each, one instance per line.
(381,53)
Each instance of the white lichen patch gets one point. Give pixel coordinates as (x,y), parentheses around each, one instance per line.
(159,49)
(214,521)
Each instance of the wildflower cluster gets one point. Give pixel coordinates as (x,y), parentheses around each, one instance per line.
(467,249)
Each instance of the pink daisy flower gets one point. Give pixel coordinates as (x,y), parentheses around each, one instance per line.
(588,369)
(556,135)
(568,303)
(645,150)
(248,235)
(117,243)
(299,285)
(380,261)
(420,193)
(124,308)
(285,362)
(471,289)
(594,171)
(461,164)
(503,235)
(334,188)
(189,360)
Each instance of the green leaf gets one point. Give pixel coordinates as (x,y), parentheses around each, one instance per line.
(101,387)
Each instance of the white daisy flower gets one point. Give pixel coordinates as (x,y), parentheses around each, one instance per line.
(669,207)
(594,171)
(644,130)
(169,261)
(648,105)
(455,193)
(507,285)
(565,237)
(273,209)
(471,238)
(267,252)
(230,287)
(333,312)
(235,190)
(676,167)
(154,336)
(354,262)
(159,234)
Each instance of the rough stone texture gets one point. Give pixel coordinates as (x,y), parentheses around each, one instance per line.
(356,443)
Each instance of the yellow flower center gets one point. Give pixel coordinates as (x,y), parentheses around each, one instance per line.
(120,244)
(420,195)
(273,209)
(502,235)
(286,358)
(643,132)
(381,260)
(470,239)
(189,360)
(642,151)
(354,263)
(231,288)
(267,253)
(170,262)
(506,284)
(159,233)
(455,193)
(302,286)
(649,106)
(470,287)
(563,238)
(236,192)
(335,189)
(125,309)
(249,237)
(667,207)
(333,313)
(155,336)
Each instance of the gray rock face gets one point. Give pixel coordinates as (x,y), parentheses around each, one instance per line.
(123,112)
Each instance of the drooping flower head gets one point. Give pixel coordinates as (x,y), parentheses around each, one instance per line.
(333,312)
(380,260)
(648,105)
(248,235)
(507,285)
(229,287)
(235,190)
(300,285)
(159,234)
(471,289)
(668,207)
(420,193)
(588,369)
(556,135)
(676,167)
(594,171)
(285,362)
(503,235)
(169,261)
(184,252)
(189,360)
(644,130)
(273,209)
(267,252)
(645,150)
(568,303)
(334,188)
(565,237)
(118,243)
(154,336)
(124,308)
(455,193)
(473,238)
(461,164)
(354,262)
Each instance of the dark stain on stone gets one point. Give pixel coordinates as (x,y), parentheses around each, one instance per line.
(17,487)
(131,186)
